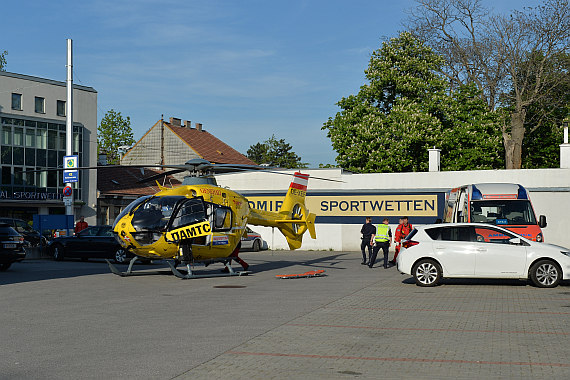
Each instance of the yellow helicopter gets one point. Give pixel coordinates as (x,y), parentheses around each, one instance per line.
(200,222)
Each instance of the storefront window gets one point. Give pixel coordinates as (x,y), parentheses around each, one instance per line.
(18,155)
(7,155)
(6,175)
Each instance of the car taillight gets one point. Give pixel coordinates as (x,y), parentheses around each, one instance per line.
(409,243)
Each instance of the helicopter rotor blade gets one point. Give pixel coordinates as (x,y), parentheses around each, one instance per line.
(160,175)
(265,170)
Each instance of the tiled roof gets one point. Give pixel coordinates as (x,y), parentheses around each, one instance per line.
(124,181)
(209,147)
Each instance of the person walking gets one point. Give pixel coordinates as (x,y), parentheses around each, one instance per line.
(368,231)
(382,240)
(403,229)
(81,225)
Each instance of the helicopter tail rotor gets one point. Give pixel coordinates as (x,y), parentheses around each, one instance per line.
(297,219)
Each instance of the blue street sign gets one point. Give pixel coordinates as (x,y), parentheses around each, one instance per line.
(70,162)
(70,176)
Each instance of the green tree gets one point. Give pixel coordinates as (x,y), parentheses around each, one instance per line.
(404,110)
(3,61)
(506,56)
(114,131)
(275,153)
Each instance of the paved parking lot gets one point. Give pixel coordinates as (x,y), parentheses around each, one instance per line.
(74,319)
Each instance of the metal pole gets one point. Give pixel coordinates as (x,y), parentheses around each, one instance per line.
(69,117)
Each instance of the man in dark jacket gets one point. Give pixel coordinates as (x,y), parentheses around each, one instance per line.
(368,231)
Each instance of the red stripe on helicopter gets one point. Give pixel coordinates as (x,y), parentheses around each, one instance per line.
(300,182)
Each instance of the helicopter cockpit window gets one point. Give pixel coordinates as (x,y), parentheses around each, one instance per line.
(155,213)
(190,212)
(131,207)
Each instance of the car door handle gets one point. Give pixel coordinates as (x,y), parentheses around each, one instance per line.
(439,247)
(481,249)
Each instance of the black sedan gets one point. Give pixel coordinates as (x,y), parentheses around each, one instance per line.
(11,246)
(93,242)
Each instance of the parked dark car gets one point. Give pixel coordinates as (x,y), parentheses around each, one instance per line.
(11,246)
(32,237)
(93,242)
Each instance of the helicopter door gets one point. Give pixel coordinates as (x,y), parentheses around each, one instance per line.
(188,212)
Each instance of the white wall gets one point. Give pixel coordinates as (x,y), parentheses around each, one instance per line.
(549,191)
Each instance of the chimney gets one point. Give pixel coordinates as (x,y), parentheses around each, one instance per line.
(187,123)
(198,126)
(175,121)
(434,159)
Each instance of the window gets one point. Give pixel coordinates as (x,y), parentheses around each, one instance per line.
(19,136)
(61,108)
(16,102)
(450,233)
(40,105)
(7,135)
(491,235)
(6,175)
(30,137)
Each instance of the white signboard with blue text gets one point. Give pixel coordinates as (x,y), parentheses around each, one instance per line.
(70,162)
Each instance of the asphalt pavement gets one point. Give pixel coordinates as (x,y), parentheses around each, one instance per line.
(73,319)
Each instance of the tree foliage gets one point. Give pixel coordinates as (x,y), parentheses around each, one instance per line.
(506,56)
(3,61)
(114,131)
(275,153)
(405,109)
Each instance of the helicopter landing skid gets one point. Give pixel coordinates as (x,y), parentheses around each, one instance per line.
(118,272)
(229,272)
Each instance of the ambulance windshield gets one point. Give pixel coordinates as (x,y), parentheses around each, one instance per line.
(503,212)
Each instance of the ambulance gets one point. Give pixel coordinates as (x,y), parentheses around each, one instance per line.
(504,204)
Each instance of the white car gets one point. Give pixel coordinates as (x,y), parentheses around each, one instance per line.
(474,250)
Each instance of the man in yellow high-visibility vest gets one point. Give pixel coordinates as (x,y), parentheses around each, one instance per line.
(382,240)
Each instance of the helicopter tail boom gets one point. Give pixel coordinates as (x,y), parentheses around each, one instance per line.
(293,219)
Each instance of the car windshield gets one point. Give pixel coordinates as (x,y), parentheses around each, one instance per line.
(503,212)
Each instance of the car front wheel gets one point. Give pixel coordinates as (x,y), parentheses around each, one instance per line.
(256,246)
(120,256)
(427,273)
(58,252)
(545,274)
(4,267)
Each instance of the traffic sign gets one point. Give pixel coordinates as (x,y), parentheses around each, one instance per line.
(70,176)
(67,191)
(67,201)
(70,162)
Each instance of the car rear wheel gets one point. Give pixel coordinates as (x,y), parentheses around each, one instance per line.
(58,252)
(427,273)
(4,267)
(545,274)
(256,246)
(120,256)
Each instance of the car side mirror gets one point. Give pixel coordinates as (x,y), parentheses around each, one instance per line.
(542,221)
(515,241)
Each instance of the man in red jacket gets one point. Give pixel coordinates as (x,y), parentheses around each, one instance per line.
(81,225)
(403,229)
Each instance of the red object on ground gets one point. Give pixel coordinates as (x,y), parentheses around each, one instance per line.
(313,273)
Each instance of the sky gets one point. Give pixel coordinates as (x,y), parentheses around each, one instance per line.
(245,69)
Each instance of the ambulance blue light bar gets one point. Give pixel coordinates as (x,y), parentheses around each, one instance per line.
(476,194)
